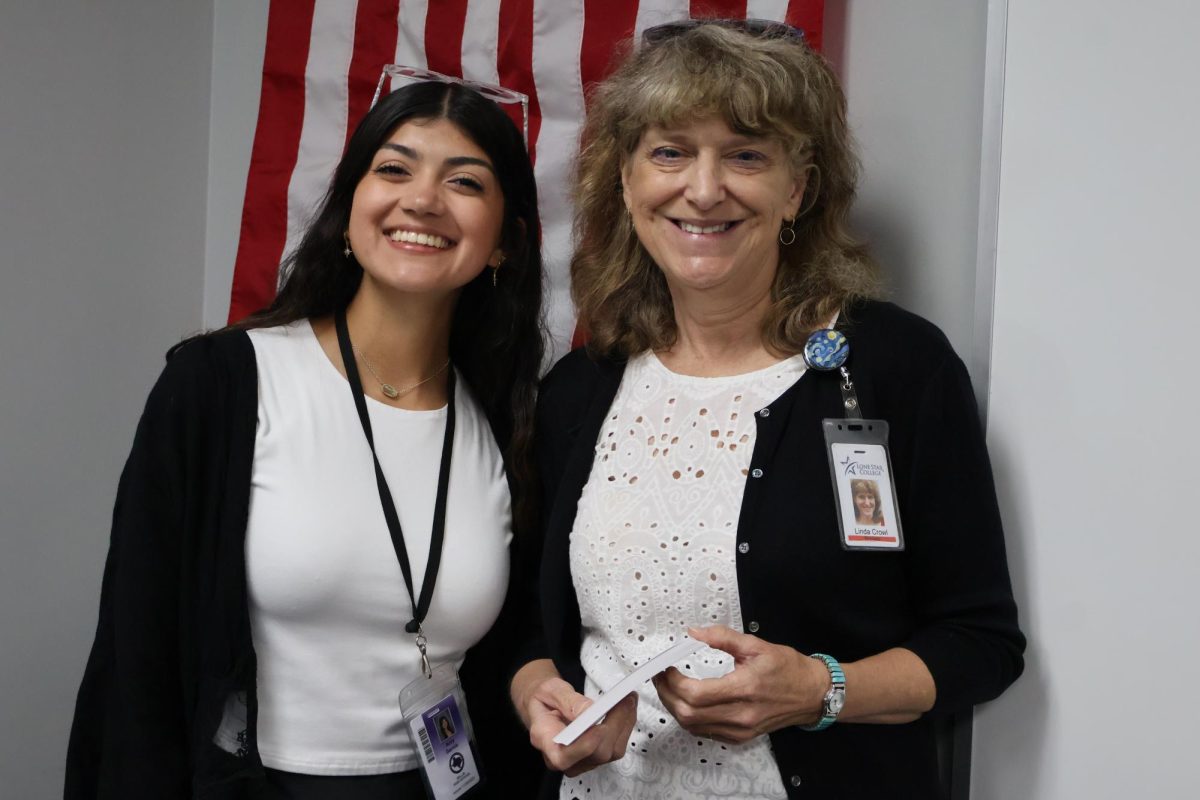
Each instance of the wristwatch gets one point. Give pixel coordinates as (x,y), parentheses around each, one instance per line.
(835,698)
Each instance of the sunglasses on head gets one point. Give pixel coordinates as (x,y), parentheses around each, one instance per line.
(497,94)
(761,28)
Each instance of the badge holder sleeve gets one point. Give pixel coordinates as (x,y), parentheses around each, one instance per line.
(857,451)
(435,714)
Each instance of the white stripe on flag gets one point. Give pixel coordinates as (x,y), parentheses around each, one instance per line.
(656,12)
(410,41)
(557,36)
(323,132)
(481,39)
(767,9)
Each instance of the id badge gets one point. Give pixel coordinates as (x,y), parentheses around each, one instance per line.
(861,468)
(435,712)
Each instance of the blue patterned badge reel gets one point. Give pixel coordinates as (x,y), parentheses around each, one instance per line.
(826,350)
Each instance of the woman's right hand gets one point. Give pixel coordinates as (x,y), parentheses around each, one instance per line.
(547,704)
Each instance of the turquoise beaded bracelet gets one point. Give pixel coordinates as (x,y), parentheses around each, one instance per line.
(835,698)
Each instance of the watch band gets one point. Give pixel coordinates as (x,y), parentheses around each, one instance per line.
(834,698)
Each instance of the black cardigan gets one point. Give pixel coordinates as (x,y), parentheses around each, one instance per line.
(947,597)
(173,640)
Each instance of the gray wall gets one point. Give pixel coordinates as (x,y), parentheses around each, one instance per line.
(103,164)
(1094,383)
(239,33)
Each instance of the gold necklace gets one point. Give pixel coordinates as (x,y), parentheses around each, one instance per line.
(389,391)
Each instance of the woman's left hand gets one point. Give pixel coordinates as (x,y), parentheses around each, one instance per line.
(771,687)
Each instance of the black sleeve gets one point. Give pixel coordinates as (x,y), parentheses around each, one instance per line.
(129,735)
(562,400)
(533,640)
(958,571)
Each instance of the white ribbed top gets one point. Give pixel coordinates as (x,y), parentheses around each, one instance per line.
(327,597)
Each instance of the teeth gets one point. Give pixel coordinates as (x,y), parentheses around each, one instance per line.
(412,237)
(690,228)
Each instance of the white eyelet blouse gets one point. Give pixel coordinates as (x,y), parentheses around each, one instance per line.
(653,552)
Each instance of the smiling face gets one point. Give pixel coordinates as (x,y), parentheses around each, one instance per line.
(864,503)
(708,204)
(427,215)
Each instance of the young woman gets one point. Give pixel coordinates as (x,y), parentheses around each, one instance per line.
(258,617)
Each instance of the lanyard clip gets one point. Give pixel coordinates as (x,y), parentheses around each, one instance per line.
(849,396)
(426,668)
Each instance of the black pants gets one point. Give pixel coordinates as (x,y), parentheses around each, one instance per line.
(292,786)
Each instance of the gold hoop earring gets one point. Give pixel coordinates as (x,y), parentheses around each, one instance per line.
(346,238)
(787,235)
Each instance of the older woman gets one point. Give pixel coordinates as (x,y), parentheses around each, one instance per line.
(687,487)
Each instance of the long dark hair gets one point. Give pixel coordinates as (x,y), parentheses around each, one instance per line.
(496,334)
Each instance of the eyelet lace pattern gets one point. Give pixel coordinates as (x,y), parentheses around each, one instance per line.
(653,552)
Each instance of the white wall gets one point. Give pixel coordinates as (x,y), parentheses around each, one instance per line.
(103,156)
(913,76)
(1094,384)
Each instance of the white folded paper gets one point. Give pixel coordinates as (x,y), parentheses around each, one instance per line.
(625,687)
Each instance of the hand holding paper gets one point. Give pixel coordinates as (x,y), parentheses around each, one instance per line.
(626,686)
(772,686)
(547,704)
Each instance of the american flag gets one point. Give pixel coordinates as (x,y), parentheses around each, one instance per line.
(323,59)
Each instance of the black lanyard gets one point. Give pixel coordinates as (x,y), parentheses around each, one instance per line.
(421,606)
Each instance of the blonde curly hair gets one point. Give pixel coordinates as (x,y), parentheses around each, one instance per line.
(775,87)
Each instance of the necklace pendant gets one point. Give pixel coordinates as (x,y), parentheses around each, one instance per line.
(389,391)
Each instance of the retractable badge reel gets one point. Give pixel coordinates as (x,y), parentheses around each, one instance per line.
(859,462)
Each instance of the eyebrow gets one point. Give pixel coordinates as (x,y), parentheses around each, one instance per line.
(453,161)
(685,133)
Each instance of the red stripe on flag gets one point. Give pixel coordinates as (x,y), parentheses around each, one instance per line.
(808,16)
(719,9)
(604,27)
(376,28)
(273,157)
(444,23)
(514,60)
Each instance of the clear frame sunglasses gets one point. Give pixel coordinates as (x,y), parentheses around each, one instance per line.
(497,94)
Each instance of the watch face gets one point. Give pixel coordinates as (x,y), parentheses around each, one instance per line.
(836,702)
